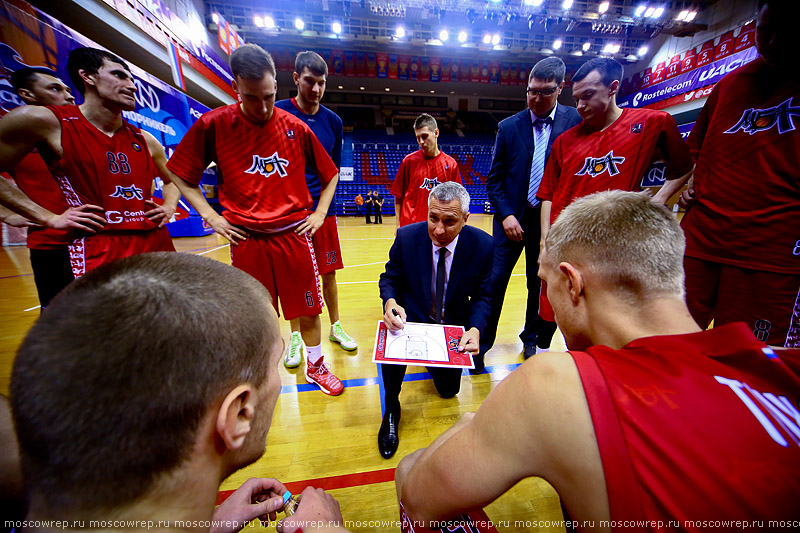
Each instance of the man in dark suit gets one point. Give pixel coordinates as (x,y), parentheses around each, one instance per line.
(514,177)
(438,273)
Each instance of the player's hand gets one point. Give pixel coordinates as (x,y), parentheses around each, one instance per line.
(512,228)
(311,224)
(87,217)
(392,321)
(316,508)
(470,341)
(687,198)
(256,498)
(160,213)
(226,229)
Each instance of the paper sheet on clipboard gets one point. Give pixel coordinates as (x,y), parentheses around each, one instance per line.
(420,344)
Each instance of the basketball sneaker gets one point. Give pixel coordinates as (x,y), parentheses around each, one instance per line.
(294,352)
(338,335)
(321,375)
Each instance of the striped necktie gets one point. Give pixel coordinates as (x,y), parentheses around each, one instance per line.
(537,164)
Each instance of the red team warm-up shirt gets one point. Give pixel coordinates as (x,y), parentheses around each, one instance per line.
(34,179)
(114,172)
(415,179)
(698,427)
(261,169)
(747,180)
(583,161)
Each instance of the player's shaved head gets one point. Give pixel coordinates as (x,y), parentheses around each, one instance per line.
(110,386)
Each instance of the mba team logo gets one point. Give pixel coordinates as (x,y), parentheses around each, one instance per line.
(755,120)
(429,183)
(267,166)
(128,193)
(594,166)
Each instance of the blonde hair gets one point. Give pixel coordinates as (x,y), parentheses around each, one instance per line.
(625,238)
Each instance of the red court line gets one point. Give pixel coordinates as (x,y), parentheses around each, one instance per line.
(332,482)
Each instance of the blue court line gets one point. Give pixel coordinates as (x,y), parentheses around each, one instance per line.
(362,382)
(16,276)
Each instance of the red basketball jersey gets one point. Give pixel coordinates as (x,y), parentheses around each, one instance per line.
(415,179)
(696,428)
(747,181)
(261,168)
(35,180)
(584,161)
(115,172)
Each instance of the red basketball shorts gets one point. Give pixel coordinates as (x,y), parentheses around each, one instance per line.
(286,266)
(768,302)
(327,247)
(89,252)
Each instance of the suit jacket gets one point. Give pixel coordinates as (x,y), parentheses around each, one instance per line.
(509,176)
(409,273)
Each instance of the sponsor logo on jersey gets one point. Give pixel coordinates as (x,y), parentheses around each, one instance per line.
(267,166)
(637,128)
(128,193)
(136,146)
(755,120)
(429,183)
(290,134)
(595,166)
(117,217)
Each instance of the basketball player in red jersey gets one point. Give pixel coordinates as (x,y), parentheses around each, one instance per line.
(420,172)
(644,405)
(261,154)
(100,162)
(49,251)
(742,240)
(611,149)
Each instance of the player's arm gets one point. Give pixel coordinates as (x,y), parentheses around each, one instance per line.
(161,214)
(20,131)
(679,161)
(536,422)
(388,285)
(544,217)
(197,199)
(316,219)
(13,219)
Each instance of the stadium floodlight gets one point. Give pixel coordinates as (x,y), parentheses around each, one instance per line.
(658,12)
(444,35)
(336,27)
(642,51)
(299,24)
(258,21)
(603,7)
(690,17)
(649,12)
(462,36)
(487,38)
(608,49)
(640,10)
(556,44)
(215,18)
(586,46)
(496,39)
(269,23)
(682,15)
(567,4)
(400,32)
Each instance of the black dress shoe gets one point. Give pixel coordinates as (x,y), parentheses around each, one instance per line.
(479,365)
(528,350)
(388,436)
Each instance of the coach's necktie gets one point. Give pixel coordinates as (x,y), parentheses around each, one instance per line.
(537,164)
(440,274)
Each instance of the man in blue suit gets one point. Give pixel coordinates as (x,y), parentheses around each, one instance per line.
(516,172)
(438,273)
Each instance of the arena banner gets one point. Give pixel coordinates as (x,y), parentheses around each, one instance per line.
(505,69)
(689,81)
(446,68)
(403,67)
(706,54)
(349,64)
(414,68)
(494,72)
(436,69)
(424,69)
(31,38)
(393,74)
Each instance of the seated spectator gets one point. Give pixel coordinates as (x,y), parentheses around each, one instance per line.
(143,386)
(646,417)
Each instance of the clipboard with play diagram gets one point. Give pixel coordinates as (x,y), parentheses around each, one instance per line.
(419,344)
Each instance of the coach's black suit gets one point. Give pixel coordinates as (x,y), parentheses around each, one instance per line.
(408,278)
(507,187)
